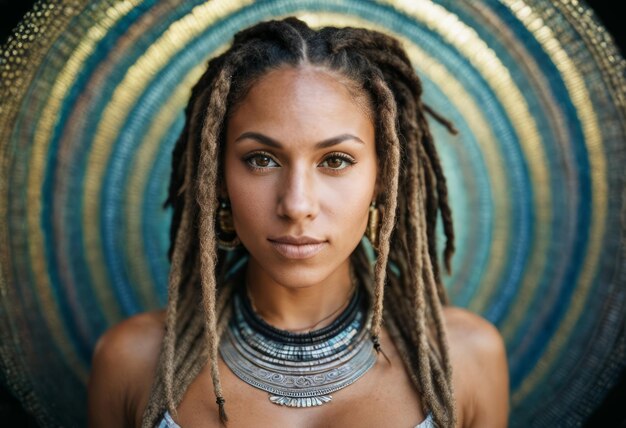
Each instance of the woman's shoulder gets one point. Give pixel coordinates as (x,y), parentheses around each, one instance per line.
(144,328)
(124,362)
(480,370)
(472,332)
(131,343)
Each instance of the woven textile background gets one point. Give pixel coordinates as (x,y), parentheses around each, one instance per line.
(91,102)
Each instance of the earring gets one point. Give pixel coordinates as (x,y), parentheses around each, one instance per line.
(226,228)
(372,225)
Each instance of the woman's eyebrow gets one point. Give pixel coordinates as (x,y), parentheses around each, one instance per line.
(268,141)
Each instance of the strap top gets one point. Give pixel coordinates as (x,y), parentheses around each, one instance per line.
(168,422)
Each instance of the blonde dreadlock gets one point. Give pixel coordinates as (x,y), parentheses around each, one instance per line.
(415,193)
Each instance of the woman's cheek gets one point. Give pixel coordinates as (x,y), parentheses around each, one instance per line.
(253,204)
(349,203)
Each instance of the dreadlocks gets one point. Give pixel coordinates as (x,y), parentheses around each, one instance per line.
(376,65)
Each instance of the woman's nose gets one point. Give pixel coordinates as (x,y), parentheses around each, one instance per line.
(297,196)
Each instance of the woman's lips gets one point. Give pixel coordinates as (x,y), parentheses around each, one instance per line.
(298,251)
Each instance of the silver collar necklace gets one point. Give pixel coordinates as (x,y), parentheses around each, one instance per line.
(298,369)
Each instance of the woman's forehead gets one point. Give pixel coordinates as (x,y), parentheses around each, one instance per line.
(309,82)
(308,102)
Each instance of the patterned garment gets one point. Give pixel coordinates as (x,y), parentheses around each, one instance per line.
(168,422)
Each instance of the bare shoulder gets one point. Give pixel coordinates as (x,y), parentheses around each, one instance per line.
(133,337)
(480,368)
(123,366)
(472,332)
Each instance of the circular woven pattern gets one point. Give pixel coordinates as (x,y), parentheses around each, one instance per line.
(92,95)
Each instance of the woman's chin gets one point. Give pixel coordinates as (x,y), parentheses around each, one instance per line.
(300,279)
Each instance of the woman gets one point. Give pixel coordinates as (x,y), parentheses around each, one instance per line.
(296,144)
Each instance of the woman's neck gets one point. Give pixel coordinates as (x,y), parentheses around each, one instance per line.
(299,308)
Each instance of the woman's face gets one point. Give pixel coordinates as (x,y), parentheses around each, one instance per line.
(300,172)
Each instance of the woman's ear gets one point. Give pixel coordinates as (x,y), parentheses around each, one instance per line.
(377,184)
(375,194)
(222,192)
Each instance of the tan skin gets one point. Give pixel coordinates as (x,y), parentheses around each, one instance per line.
(294,186)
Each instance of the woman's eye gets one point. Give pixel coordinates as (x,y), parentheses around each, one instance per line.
(260,160)
(337,162)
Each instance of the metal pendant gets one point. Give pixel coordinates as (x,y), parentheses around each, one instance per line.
(300,401)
